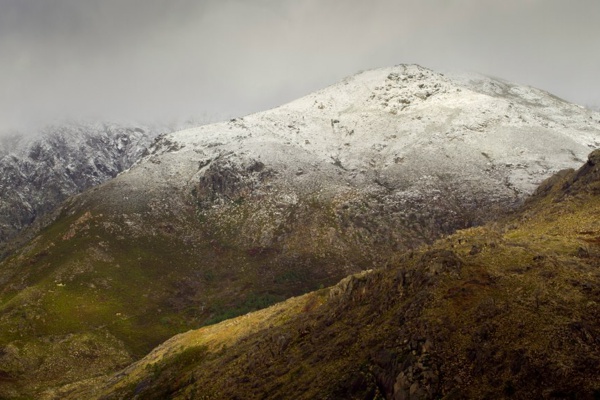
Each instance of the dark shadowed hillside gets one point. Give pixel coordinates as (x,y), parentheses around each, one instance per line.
(508,310)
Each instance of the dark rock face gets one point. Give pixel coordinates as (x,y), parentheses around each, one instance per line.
(594,158)
(37,174)
(225,181)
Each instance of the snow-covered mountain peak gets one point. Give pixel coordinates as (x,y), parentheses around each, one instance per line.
(408,122)
(424,146)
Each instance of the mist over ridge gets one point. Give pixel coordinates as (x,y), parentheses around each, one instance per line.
(151,60)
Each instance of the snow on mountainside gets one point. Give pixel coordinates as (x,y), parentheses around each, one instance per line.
(421,144)
(38,171)
(424,142)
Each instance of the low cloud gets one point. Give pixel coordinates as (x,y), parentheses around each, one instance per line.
(151,59)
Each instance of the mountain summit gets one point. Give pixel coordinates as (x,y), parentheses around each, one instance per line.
(431,152)
(228,218)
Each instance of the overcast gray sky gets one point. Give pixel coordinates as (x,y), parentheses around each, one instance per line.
(159,59)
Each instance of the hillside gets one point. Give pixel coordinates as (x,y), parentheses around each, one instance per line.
(39,170)
(228,218)
(507,310)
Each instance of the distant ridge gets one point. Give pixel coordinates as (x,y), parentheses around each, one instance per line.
(39,171)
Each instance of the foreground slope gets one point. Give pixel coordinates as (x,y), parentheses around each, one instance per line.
(501,311)
(228,218)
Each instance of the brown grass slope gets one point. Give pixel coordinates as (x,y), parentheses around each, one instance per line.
(120,270)
(509,310)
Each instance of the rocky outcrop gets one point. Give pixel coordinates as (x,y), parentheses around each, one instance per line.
(224,182)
